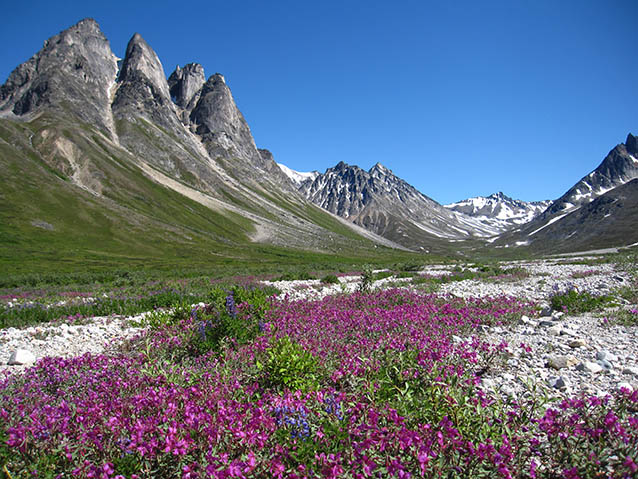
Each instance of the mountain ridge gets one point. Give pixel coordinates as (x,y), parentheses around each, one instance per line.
(599,187)
(110,147)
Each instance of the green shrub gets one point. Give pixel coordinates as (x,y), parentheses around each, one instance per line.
(574,302)
(625,317)
(367,278)
(289,366)
(158,319)
(232,316)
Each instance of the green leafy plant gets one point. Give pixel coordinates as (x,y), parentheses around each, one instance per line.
(232,316)
(574,302)
(289,366)
(159,318)
(367,279)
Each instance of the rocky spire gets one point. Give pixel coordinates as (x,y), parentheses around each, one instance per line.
(142,87)
(221,125)
(72,73)
(185,85)
(142,63)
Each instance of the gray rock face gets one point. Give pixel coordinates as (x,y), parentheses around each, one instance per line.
(186,84)
(142,86)
(221,125)
(73,74)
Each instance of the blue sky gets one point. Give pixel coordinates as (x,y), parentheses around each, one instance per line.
(459,98)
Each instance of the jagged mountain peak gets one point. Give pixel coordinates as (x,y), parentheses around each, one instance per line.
(141,60)
(590,213)
(86,26)
(342,165)
(380,201)
(499,210)
(223,129)
(72,74)
(217,77)
(297,177)
(379,167)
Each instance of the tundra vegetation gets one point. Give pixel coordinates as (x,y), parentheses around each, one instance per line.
(228,381)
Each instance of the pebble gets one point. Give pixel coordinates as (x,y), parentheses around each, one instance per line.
(555,330)
(557,382)
(577,343)
(606,365)
(590,367)
(561,362)
(606,355)
(21,357)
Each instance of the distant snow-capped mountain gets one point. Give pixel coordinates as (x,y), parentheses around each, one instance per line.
(298,177)
(387,205)
(596,212)
(383,203)
(499,210)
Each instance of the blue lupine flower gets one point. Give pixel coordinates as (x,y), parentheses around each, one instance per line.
(230,305)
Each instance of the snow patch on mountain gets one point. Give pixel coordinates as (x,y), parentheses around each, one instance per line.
(298,177)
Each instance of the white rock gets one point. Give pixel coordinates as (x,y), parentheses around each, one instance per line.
(588,366)
(555,330)
(20,357)
(606,356)
(630,370)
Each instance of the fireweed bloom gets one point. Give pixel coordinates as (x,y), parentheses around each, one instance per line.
(395,397)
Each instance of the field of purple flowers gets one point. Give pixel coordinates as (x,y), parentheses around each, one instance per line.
(383,384)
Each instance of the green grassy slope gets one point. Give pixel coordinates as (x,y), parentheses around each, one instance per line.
(52,220)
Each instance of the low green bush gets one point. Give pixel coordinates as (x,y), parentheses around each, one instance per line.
(574,302)
(289,366)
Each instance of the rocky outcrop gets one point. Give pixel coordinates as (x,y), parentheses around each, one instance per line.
(72,74)
(186,85)
(221,125)
(142,87)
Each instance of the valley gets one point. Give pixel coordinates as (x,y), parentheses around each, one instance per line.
(176,303)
